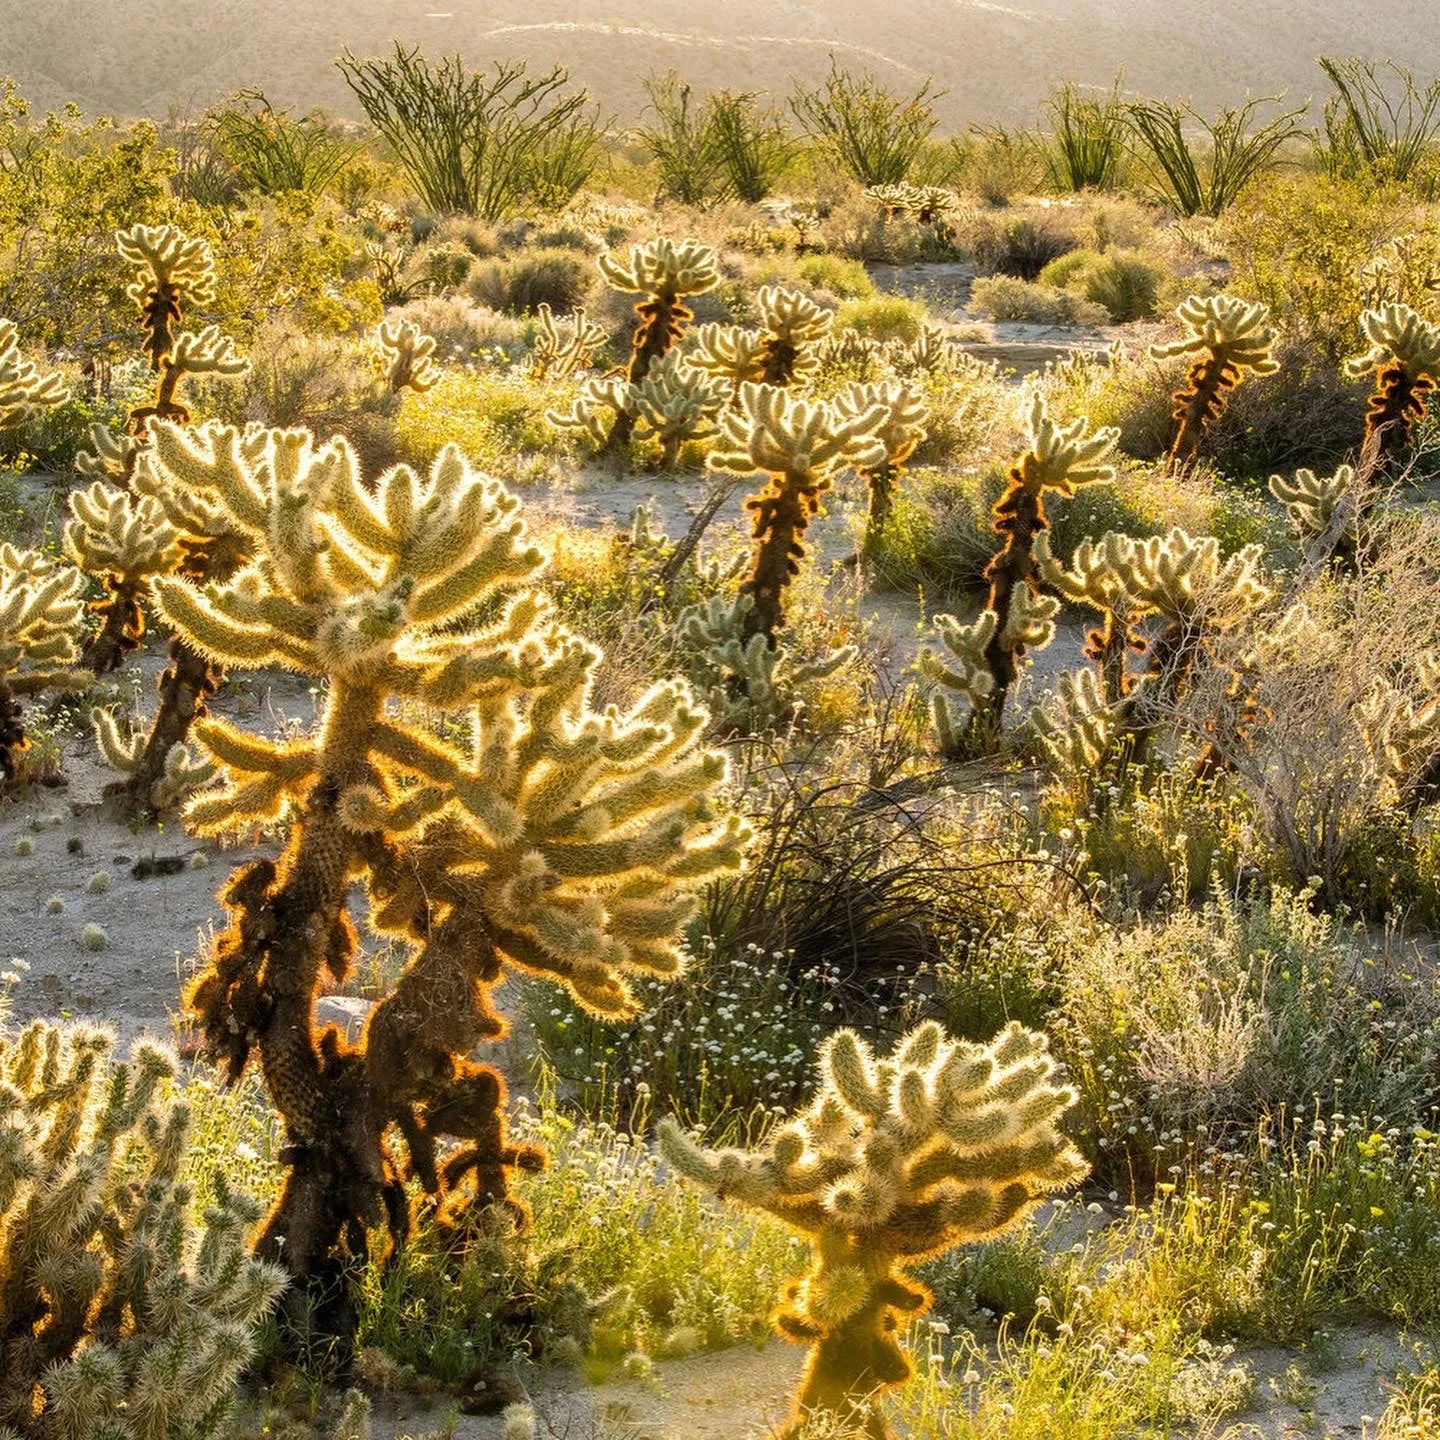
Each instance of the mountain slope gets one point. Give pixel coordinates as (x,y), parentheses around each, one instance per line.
(996,61)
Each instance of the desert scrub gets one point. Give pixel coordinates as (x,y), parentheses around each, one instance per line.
(1003,297)
(848,279)
(883,317)
(495,417)
(520,284)
(620,1259)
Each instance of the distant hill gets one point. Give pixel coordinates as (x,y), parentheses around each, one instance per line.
(996,61)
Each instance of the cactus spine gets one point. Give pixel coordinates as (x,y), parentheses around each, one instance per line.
(942,1143)
(1227,337)
(1404,357)
(118,1316)
(557,840)
(799,446)
(1059,458)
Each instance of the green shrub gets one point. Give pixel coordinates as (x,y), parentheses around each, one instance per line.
(1127,285)
(883,317)
(875,134)
(1002,297)
(1021,247)
(849,279)
(1070,269)
(520,284)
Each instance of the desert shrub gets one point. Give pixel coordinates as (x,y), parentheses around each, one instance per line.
(874,133)
(464,331)
(521,284)
(753,144)
(883,317)
(476,143)
(1127,285)
(1002,297)
(681,140)
(1020,246)
(996,164)
(271,150)
(848,279)
(1298,243)
(1391,122)
(496,417)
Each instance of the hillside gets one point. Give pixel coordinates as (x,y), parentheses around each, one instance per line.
(995,60)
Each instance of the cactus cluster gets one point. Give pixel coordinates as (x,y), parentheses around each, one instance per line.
(1228,338)
(1322,508)
(925,204)
(749,685)
(544,836)
(900,434)
(896,1159)
(119,1316)
(25,391)
(564,347)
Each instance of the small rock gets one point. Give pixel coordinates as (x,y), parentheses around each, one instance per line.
(348,1013)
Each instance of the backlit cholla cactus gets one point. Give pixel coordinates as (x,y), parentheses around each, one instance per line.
(1404,357)
(41,618)
(901,433)
(929,353)
(120,1317)
(564,347)
(749,686)
(1402,734)
(792,326)
(675,402)
(940,1144)
(123,540)
(1059,458)
(1079,728)
(1185,581)
(1228,338)
(547,836)
(25,391)
(853,354)
(180,507)
(173,271)
(1097,577)
(110,458)
(800,446)
(962,667)
(664,275)
(730,353)
(1323,508)
(405,357)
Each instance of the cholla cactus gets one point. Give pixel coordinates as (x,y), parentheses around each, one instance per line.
(664,275)
(930,353)
(1079,729)
(749,686)
(730,353)
(1097,578)
(173,270)
(1404,357)
(556,839)
(24,390)
(564,348)
(41,615)
(901,433)
(961,669)
(1322,508)
(1059,458)
(124,540)
(1227,337)
(405,357)
(675,402)
(121,1318)
(1405,268)
(854,354)
(800,446)
(941,1144)
(1402,735)
(192,524)
(792,326)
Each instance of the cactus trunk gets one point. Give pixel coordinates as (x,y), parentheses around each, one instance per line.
(1397,403)
(1199,406)
(121,632)
(1020,517)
